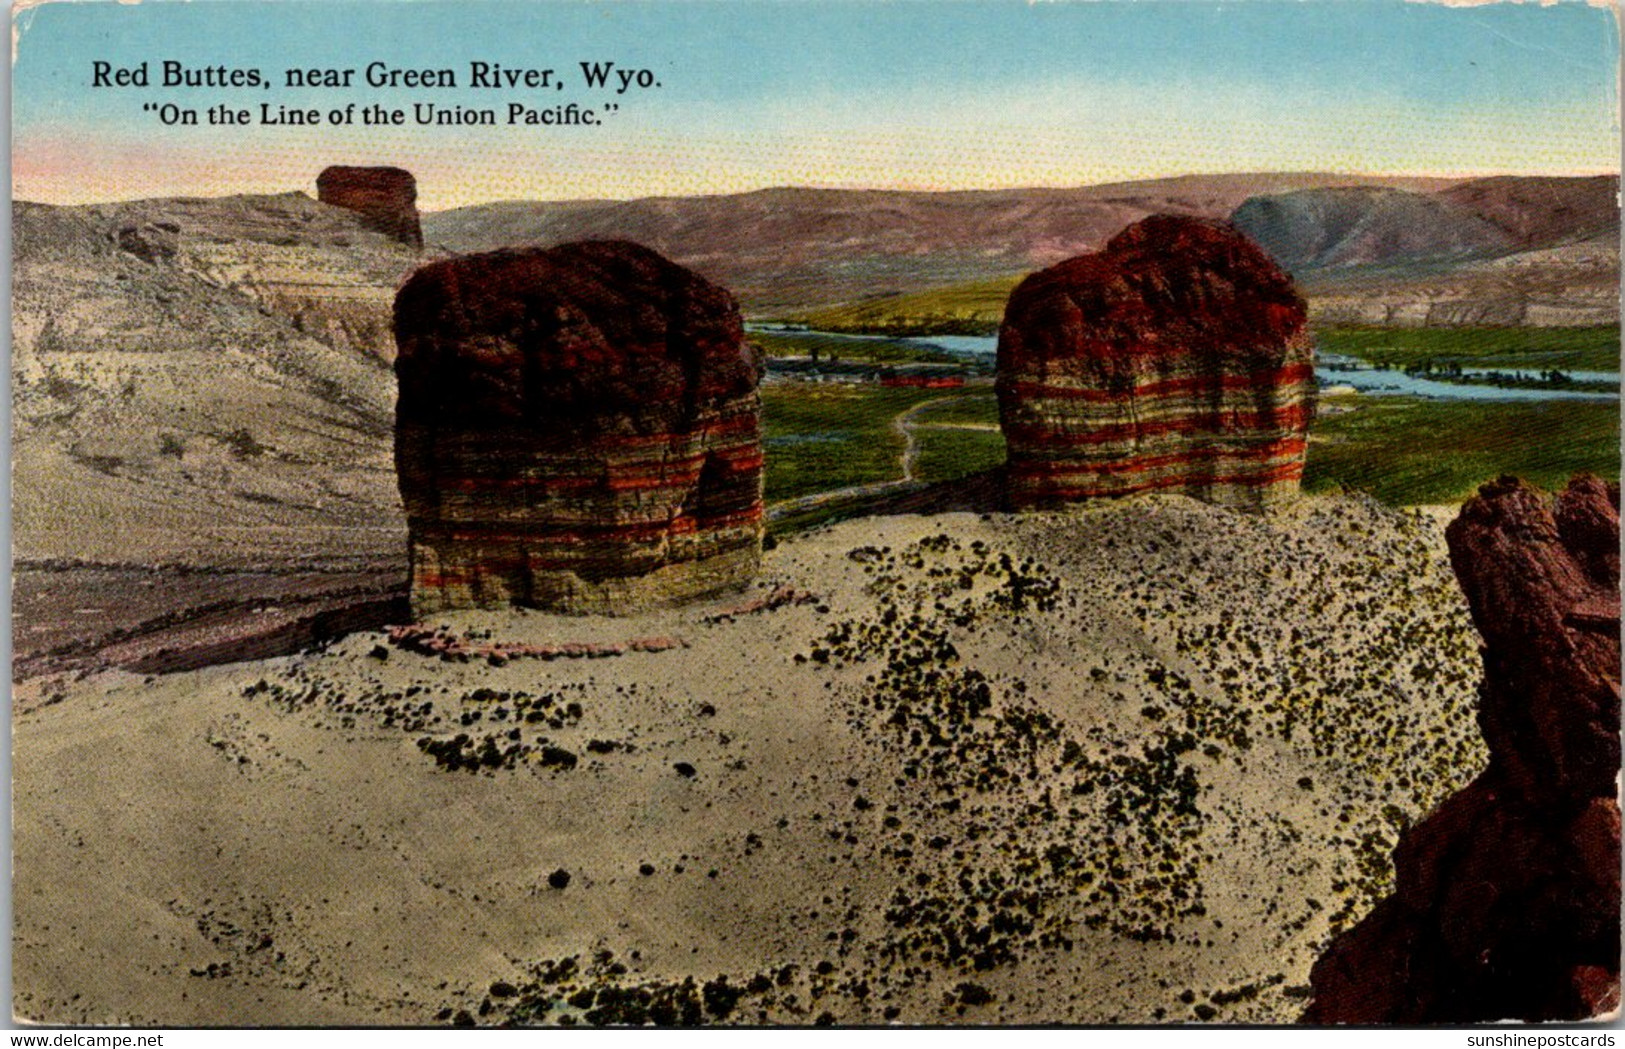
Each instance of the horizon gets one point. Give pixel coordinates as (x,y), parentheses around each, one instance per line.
(904,98)
(1453,178)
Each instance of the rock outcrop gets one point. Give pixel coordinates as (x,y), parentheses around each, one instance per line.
(1507,898)
(386,197)
(578,429)
(1175,359)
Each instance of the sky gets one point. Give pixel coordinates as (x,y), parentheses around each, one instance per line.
(743,95)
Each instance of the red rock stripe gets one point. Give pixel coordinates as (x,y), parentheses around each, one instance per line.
(745,457)
(685,478)
(1292,373)
(632,480)
(618,480)
(746,423)
(1289,446)
(546,484)
(1291,416)
(505,531)
(518,567)
(1274,475)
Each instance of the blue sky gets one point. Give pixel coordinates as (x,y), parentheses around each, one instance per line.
(901,94)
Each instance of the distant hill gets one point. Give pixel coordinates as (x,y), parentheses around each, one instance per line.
(1343,226)
(1508,250)
(1371,250)
(1501,251)
(1572,284)
(783,250)
(1536,212)
(1360,225)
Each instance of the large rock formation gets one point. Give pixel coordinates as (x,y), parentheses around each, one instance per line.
(386,197)
(1175,359)
(1507,898)
(578,429)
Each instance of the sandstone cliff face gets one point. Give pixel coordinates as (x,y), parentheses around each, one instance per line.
(578,429)
(386,197)
(1507,898)
(1175,359)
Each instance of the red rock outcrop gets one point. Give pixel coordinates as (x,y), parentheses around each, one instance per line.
(386,197)
(1175,359)
(1507,898)
(578,429)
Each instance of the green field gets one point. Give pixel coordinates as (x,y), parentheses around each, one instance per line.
(961,309)
(978,408)
(947,454)
(1408,450)
(1591,349)
(1401,450)
(835,348)
(820,437)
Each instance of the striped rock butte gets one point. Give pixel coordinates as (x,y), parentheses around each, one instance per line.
(1176,359)
(578,430)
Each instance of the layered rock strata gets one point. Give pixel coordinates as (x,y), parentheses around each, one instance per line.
(385,197)
(1176,359)
(578,430)
(1507,898)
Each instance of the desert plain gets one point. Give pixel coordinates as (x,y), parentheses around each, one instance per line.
(1126,764)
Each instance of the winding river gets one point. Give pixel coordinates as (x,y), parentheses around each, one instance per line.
(1331,370)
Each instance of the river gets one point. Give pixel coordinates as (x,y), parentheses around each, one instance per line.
(1330,370)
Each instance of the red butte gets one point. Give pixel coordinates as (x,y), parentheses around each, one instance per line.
(1506,899)
(385,197)
(578,430)
(1177,359)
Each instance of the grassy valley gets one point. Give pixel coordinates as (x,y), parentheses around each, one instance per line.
(1589,348)
(1410,450)
(962,309)
(821,437)
(1403,451)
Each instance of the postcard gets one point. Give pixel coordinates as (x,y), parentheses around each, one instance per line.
(815,513)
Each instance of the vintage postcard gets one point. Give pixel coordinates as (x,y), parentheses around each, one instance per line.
(815,513)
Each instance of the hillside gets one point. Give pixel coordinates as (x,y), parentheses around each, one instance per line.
(1361,225)
(786,249)
(1574,284)
(1502,251)
(1536,212)
(201,380)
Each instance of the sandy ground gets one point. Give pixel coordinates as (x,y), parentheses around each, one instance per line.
(1131,764)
